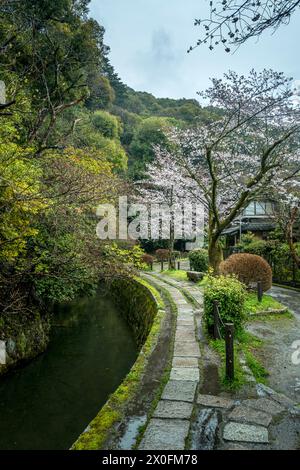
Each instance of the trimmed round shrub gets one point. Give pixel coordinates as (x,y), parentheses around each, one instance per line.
(147,259)
(249,269)
(199,260)
(162,254)
(230,294)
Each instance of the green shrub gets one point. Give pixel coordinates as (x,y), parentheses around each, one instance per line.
(258,247)
(230,294)
(249,269)
(199,260)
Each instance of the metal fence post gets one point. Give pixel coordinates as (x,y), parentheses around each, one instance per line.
(178,265)
(151,265)
(259,291)
(162,265)
(229,335)
(216,320)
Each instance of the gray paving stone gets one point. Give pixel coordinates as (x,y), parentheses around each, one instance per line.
(183,373)
(182,348)
(185,321)
(266,405)
(245,414)
(185,362)
(187,317)
(173,409)
(215,402)
(186,335)
(184,311)
(165,434)
(264,391)
(180,390)
(245,433)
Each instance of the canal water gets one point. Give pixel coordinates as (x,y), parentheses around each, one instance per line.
(49,402)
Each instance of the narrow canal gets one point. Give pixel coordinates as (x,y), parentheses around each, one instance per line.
(49,402)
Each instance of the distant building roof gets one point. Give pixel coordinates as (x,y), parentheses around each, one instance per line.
(250,227)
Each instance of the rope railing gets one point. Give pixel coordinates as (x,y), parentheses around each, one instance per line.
(228,337)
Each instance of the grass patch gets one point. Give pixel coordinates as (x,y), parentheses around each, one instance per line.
(257,369)
(179,275)
(253,306)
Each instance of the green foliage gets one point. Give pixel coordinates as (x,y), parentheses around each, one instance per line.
(63,140)
(107,124)
(102,94)
(199,260)
(230,294)
(150,132)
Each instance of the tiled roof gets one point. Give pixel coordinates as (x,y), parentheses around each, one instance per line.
(250,227)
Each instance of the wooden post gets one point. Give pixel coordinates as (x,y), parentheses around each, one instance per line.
(162,265)
(229,335)
(178,265)
(216,321)
(259,291)
(294,271)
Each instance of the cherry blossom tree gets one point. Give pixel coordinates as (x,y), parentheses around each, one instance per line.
(287,211)
(249,150)
(177,197)
(233,22)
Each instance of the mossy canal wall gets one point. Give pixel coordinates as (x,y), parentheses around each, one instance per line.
(24,337)
(143,308)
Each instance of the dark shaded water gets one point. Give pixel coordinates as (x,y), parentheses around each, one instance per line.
(50,401)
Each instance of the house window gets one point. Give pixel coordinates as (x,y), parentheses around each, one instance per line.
(250,210)
(259,208)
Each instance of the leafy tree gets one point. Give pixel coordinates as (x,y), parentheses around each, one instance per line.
(150,132)
(107,124)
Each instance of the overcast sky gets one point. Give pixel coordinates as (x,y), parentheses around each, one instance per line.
(149,40)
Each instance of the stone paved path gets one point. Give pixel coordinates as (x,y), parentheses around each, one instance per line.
(169,426)
(185,418)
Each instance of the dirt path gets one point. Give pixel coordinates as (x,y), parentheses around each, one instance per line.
(279,337)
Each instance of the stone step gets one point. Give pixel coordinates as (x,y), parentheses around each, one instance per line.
(165,434)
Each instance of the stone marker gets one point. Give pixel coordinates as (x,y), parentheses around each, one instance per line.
(245,433)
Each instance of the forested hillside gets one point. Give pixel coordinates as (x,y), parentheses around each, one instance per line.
(71,133)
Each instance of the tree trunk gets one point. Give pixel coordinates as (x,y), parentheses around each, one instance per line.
(171,248)
(290,236)
(215,255)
